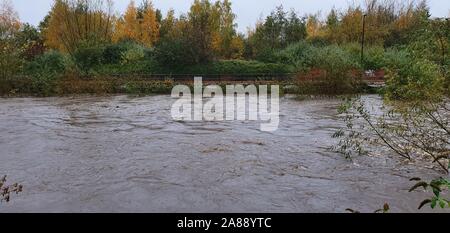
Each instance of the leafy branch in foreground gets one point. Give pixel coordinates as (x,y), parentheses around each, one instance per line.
(7,190)
(438,186)
(417,133)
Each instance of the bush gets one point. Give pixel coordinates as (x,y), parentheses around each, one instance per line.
(51,63)
(337,72)
(413,79)
(337,62)
(171,53)
(319,41)
(45,69)
(132,55)
(87,57)
(10,59)
(299,55)
(374,58)
(112,53)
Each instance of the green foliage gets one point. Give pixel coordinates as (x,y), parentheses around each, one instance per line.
(337,63)
(299,55)
(438,187)
(174,52)
(413,79)
(50,63)
(146,66)
(303,56)
(88,55)
(374,56)
(279,29)
(237,67)
(113,52)
(11,62)
(45,70)
(132,55)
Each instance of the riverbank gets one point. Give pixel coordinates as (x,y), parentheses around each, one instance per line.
(144,85)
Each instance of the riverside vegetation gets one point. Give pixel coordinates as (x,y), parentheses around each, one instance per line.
(82,47)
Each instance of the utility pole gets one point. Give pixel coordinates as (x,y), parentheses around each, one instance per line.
(363,38)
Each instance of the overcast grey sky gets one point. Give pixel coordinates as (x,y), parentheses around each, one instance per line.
(247,11)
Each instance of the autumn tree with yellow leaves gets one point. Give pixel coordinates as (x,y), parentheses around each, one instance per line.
(138,24)
(227,43)
(76,22)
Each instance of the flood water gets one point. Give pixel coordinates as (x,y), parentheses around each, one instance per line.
(126,154)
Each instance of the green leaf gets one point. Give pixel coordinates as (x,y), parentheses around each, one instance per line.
(442,203)
(433,203)
(418,185)
(427,201)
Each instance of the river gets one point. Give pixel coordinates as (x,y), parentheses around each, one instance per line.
(126,154)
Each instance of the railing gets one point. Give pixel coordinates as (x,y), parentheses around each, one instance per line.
(210,77)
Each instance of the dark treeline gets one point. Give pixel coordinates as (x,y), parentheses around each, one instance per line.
(85,38)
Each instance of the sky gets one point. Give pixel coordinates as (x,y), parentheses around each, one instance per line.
(247,11)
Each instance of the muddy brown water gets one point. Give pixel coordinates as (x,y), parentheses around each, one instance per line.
(126,154)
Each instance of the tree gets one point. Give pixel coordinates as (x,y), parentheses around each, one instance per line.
(10,51)
(295,29)
(277,31)
(30,39)
(149,26)
(138,24)
(73,22)
(351,25)
(127,27)
(332,26)
(168,23)
(227,44)
(314,26)
(202,26)
(9,20)
(175,47)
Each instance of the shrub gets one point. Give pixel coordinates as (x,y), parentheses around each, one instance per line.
(112,53)
(337,62)
(174,52)
(337,72)
(374,58)
(45,69)
(413,79)
(51,62)
(10,59)
(87,57)
(299,55)
(266,55)
(319,41)
(133,54)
